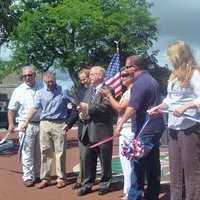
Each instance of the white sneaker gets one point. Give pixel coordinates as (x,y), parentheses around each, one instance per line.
(125,197)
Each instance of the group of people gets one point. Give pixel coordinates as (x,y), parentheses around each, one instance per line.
(46,113)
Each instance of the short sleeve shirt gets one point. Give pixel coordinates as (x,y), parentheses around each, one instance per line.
(145,94)
(22,100)
(54,104)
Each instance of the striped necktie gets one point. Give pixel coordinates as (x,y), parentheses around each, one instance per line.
(92,95)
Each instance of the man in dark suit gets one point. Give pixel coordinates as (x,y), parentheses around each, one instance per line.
(84,80)
(96,114)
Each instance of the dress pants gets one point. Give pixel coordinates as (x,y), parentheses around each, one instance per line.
(89,161)
(184,157)
(30,151)
(52,141)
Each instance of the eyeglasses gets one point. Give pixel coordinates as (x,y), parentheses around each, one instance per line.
(128,66)
(27,75)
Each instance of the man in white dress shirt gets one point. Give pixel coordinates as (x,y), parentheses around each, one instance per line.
(20,103)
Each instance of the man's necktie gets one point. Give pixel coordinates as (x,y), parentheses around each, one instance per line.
(92,95)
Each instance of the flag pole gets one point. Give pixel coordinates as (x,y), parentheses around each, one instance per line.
(117,46)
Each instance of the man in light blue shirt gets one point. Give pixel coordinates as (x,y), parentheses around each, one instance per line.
(56,118)
(22,100)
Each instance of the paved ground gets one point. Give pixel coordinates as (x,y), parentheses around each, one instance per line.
(11,185)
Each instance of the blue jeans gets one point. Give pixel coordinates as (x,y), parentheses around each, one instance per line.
(149,167)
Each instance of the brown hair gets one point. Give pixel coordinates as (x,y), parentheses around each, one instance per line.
(85,71)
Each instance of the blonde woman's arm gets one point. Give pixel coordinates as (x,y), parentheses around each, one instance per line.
(195,83)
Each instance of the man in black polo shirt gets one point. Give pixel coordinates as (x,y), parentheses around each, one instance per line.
(145,94)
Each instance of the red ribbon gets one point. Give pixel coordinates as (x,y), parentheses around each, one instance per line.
(103,141)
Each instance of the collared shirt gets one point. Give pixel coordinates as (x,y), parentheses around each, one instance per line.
(22,100)
(177,96)
(145,94)
(53,103)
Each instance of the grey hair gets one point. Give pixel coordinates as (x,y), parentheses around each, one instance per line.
(49,74)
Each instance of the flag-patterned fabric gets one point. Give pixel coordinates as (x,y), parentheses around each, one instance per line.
(113,76)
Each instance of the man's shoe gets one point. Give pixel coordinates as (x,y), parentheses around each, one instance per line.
(43,184)
(37,180)
(103,191)
(76,186)
(84,191)
(29,183)
(60,183)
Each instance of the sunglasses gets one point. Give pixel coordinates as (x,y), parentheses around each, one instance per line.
(128,66)
(123,75)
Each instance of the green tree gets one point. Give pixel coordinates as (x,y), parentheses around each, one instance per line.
(8,20)
(81,32)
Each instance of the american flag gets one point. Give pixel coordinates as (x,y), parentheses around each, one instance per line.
(113,76)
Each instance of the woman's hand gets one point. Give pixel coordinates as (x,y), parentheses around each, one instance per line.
(178,112)
(118,129)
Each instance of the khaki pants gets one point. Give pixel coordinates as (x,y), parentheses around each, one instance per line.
(52,141)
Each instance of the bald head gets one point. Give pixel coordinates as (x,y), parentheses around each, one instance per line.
(137,60)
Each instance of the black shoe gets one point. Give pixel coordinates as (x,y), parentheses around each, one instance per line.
(76,186)
(84,191)
(28,183)
(103,191)
(37,180)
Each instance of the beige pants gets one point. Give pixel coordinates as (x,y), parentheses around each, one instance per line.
(52,142)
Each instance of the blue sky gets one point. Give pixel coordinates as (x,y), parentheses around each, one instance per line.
(178,20)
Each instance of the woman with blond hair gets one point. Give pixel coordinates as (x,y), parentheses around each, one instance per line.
(183,99)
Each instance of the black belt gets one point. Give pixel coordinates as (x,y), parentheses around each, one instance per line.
(54,120)
(34,122)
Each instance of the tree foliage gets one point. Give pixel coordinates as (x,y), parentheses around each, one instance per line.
(8,19)
(76,33)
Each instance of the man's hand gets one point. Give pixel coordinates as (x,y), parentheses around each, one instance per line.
(154,111)
(82,116)
(83,107)
(83,111)
(23,126)
(11,129)
(65,128)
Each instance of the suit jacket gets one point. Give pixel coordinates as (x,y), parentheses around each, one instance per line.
(100,123)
